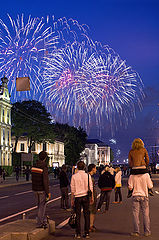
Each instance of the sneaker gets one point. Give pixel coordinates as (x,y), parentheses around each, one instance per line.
(45,226)
(134,234)
(92,229)
(147,234)
(115,202)
(86,236)
(77,236)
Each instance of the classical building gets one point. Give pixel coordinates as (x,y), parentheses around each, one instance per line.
(55,150)
(5,124)
(96,152)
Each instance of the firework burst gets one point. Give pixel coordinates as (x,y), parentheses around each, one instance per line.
(86,83)
(24,43)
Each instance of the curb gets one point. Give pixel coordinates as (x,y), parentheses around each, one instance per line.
(14,184)
(27,230)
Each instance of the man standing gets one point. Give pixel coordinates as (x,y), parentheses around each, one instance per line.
(64,182)
(92,208)
(40,185)
(79,198)
(140,184)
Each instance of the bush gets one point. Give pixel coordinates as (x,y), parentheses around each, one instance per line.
(8,170)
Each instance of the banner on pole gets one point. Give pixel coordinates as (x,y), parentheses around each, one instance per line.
(23,84)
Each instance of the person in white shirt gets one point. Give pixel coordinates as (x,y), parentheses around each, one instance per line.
(140,184)
(118,185)
(79,197)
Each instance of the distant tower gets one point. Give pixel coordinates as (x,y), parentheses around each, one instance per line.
(5,124)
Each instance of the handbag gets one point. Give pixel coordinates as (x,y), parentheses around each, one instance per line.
(89,193)
(72,220)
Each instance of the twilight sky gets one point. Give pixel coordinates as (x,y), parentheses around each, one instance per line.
(131,28)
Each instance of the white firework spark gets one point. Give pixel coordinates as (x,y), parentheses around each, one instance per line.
(86,84)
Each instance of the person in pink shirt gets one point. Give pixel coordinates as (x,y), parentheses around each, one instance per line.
(140,184)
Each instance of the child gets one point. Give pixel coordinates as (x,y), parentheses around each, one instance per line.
(138,160)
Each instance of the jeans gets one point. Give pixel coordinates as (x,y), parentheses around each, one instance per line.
(139,202)
(104,196)
(41,204)
(118,193)
(82,202)
(64,197)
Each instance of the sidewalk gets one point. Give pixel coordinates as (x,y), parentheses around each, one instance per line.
(116,224)
(25,230)
(11,181)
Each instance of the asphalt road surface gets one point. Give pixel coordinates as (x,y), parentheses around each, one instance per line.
(115,224)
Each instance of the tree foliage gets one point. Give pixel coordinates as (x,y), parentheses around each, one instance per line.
(31,118)
(74,140)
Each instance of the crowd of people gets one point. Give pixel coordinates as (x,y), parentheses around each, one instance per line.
(84,192)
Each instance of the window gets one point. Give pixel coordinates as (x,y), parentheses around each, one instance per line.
(8,117)
(44,146)
(8,159)
(4,159)
(3,136)
(22,147)
(8,138)
(3,115)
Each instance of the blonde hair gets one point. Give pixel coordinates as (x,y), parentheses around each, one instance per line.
(137,144)
(118,169)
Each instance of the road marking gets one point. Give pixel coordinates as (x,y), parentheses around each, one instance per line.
(62,224)
(28,210)
(22,193)
(4,197)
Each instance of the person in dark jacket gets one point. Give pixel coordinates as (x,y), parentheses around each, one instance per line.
(64,182)
(106,183)
(40,185)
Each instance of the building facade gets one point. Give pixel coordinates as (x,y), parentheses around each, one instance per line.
(96,152)
(5,125)
(55,150)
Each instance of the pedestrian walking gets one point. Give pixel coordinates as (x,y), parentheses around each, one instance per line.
(80,198)
(17,172)
(27,173)
(40,186)
(106,183)
(92,208)
(140,201)
(118,185)
(3,174)
(64,183)
(1,179)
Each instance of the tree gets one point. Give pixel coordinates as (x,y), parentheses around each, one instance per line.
(74,140)
(31,118)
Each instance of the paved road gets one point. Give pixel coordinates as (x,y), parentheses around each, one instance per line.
(116,224)
(15,199)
